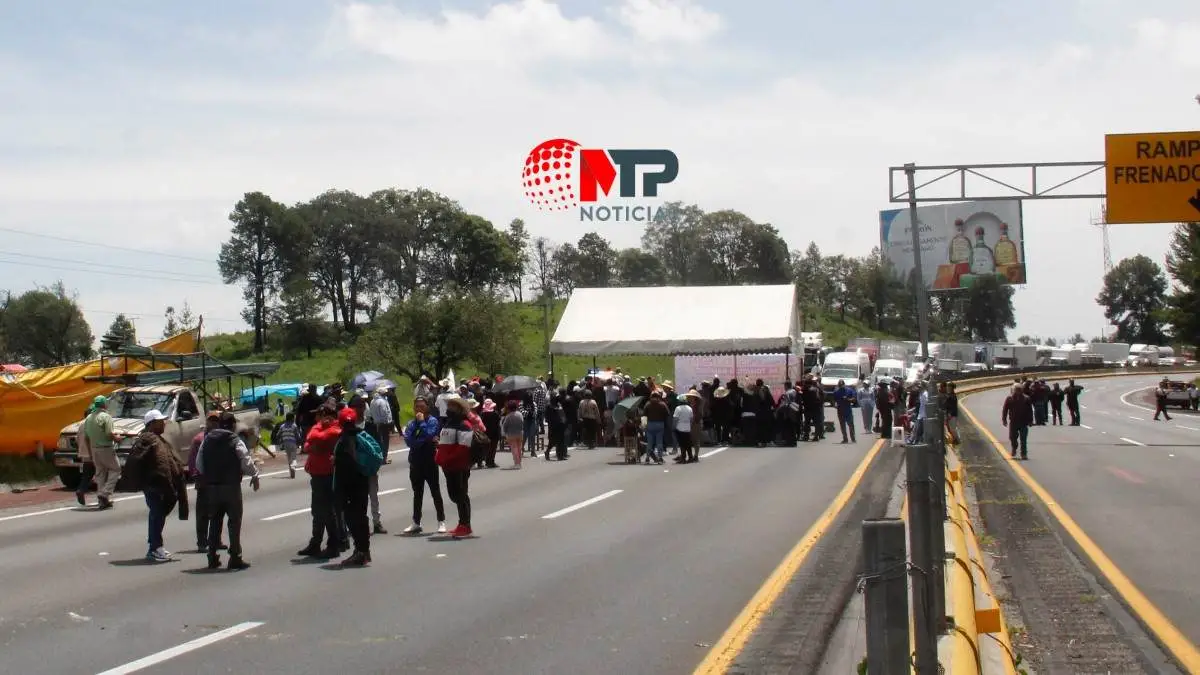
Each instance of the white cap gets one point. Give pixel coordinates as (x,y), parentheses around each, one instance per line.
(153,415)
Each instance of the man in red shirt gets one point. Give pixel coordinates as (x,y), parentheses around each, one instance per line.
(319,445)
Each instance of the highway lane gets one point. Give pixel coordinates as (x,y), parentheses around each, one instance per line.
(641,580)
(1130,484)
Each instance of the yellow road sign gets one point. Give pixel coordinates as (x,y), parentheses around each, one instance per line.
(1153,178)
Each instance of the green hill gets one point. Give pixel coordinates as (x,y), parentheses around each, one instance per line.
(330,365)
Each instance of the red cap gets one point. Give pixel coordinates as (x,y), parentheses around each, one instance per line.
(348,416)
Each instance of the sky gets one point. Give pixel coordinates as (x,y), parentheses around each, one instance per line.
(131,127)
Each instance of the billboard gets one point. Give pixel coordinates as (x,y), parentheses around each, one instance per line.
(772,369)
(960,243)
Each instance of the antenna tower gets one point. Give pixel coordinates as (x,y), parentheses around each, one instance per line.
(1102,223)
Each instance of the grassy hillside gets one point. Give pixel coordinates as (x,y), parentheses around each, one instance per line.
(331,365)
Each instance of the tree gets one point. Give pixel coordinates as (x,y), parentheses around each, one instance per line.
(989,309)
(565,269)
(253,256)
(1051,342)
(473,255)
(303,326)
(412,222)
(542,267)
(595,261)
(123,328)
(1133,297)
(45,327)
(171,325)
(518,240)
(1025,340)
(671,239)
(187,320)
(1073,340)
(636,267)
(432,334)
(1183,262)
(345,259)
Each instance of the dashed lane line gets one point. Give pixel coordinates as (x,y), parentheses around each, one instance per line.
(583,504)
(714,451)
(180,650)
(1133,442)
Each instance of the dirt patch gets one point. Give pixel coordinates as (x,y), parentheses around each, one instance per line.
(1061,620)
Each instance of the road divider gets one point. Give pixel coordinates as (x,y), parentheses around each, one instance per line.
(583,504)
(180,650)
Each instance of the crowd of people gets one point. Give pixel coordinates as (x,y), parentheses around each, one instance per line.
(1033,403)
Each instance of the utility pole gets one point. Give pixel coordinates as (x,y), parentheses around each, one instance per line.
(546,331)
(910,171)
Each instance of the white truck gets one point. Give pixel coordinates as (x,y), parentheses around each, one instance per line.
(1010,357)
(1113,353)
(1066,357)
(1141,354)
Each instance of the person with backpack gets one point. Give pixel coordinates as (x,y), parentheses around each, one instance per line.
(211,421)
(454,456)
(421,437)
(286,437)
(222,460)
(356,459)
(153,468)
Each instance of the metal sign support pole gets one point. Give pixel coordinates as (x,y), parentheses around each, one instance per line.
(910,171)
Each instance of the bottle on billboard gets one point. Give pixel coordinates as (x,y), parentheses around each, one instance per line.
(1006,250)
(982,259)
(960,245)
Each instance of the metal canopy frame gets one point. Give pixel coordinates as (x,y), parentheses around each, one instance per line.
(1032,190)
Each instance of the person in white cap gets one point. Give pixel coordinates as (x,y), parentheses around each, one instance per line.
(153,467)
(379,420)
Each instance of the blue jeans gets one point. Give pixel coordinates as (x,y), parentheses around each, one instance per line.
(1019,437)
(656,439)
(160,507)
(531,425)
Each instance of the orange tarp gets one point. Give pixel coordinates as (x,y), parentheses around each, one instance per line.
(35,405)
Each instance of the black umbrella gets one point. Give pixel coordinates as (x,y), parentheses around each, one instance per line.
(621,411)
(515,383)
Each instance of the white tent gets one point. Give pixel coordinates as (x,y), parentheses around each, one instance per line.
(679,320)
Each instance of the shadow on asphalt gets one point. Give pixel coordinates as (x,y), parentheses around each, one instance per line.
(446,537)
(138,562)
(308,561)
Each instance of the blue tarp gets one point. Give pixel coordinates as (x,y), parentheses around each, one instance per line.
(289,390)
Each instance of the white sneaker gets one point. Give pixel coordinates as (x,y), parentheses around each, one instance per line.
(412,529)
(442,528)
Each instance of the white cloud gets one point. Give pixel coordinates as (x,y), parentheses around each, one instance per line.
(807,150)
(1178,41)
(660,21)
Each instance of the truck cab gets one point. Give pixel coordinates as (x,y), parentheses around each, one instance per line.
(128,407)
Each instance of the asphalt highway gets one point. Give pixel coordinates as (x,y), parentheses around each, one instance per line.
(1129,483)
(583,566)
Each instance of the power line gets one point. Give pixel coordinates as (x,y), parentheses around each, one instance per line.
(114,274)
(22,254)
(108,246)
(130,315)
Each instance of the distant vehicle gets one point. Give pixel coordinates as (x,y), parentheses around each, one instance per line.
(847,366)
(974,367)
(1177,394)
(1009,357)
(1113,353)
(869,346)
(1066,357)
(893,368)
(1143,355)
(1166,357)
(948,365)
(128,406)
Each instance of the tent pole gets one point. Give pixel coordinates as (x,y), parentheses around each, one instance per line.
(735,373)
(593,362)
(787,367)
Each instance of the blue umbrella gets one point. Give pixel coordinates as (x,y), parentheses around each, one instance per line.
(361,380)
(377,384)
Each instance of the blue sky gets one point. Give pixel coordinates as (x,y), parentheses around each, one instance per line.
(141,123)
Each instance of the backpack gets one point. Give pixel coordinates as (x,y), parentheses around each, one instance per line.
(367,454)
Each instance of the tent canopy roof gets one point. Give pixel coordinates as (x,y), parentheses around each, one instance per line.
(679,320)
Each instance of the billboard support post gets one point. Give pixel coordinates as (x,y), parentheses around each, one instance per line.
(910,171)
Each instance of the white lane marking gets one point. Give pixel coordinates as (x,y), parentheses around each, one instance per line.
(582,504)
(1130,440)
(1086,427)
(1134,405)
(714,451)
(1083,406)
(1188,428)
(297,512)
(168,654)
(1140,419)
(1100,412)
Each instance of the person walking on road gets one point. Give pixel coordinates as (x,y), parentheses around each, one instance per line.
(681,421)
(101,439)
(286,437)
(866,404)
(318,464)
(885,406)
(513,427)
(211,422)
(379,420)
(160,475)
(1017,415)
(87,469)
(1072,392)
(1160,401)
(843,398)
(657,414)
(352,485)
(1056,402)
(454,456)
(421,435)
(222,460)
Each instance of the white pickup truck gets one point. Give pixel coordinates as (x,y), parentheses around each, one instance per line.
(185,418)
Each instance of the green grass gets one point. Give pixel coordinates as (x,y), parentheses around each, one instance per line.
(17,469)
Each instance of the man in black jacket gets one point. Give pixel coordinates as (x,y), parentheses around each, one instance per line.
(222,460)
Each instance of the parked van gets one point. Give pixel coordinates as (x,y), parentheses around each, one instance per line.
(848,366)
(893,368)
